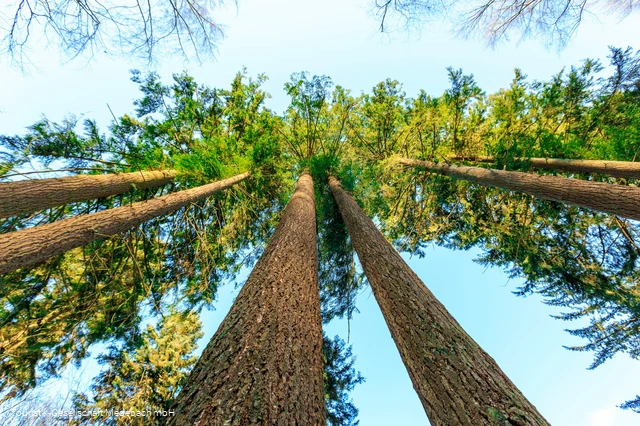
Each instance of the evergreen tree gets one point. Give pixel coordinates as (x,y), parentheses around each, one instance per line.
(264,364)
(621,169)
(456,381)
(577,258)
(34,245)
(191,251)
(620,200)
(30,196)
(144,376)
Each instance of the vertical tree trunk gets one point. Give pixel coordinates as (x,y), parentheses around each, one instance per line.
(264,364)
(620,200)
(623,169)
(33,245)
(28,196)
(458,383)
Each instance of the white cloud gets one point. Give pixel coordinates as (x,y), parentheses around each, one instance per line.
(603,417)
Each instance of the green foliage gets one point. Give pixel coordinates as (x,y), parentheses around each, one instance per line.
(339,279)
(583,262)
(146,376)
(577,259)
(339,379)
(458,98)
(316,122)
(51,314)
(381,120)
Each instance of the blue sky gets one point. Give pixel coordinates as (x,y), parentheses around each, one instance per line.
(340,39)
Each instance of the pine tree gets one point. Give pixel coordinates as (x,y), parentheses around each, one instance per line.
(576,258)
(29,196)
(620,200)
(264,364)
(52,312)
(622,169)
(30,246)
(581,261)
(456,381)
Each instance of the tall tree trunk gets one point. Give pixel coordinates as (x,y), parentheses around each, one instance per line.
(28,196)
(457,382)
(264,364)
(620,200)
(623,169)
(33,245)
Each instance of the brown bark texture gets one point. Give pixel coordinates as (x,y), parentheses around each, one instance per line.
(622,169)
(264,364)
(457,382)
(29,196)
(30,246)
(620,200)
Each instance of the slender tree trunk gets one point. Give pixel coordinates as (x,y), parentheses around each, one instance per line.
(30,246)
(623,169)
(28,196)
(457,382)
(264,364)
(620,200)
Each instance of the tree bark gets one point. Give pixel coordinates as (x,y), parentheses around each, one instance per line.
(457,382)
(28,196)
(264,364)
(622,169)
(620,200)
(30,246)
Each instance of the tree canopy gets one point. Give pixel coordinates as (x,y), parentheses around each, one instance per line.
(168,268)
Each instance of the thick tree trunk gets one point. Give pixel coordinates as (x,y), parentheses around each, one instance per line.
(28,196)
(264,364)
(623,169)
(458,383)
(620,200)
(33,245)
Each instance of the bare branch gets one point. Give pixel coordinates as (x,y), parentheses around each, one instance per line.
(554,21)
(138,28)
